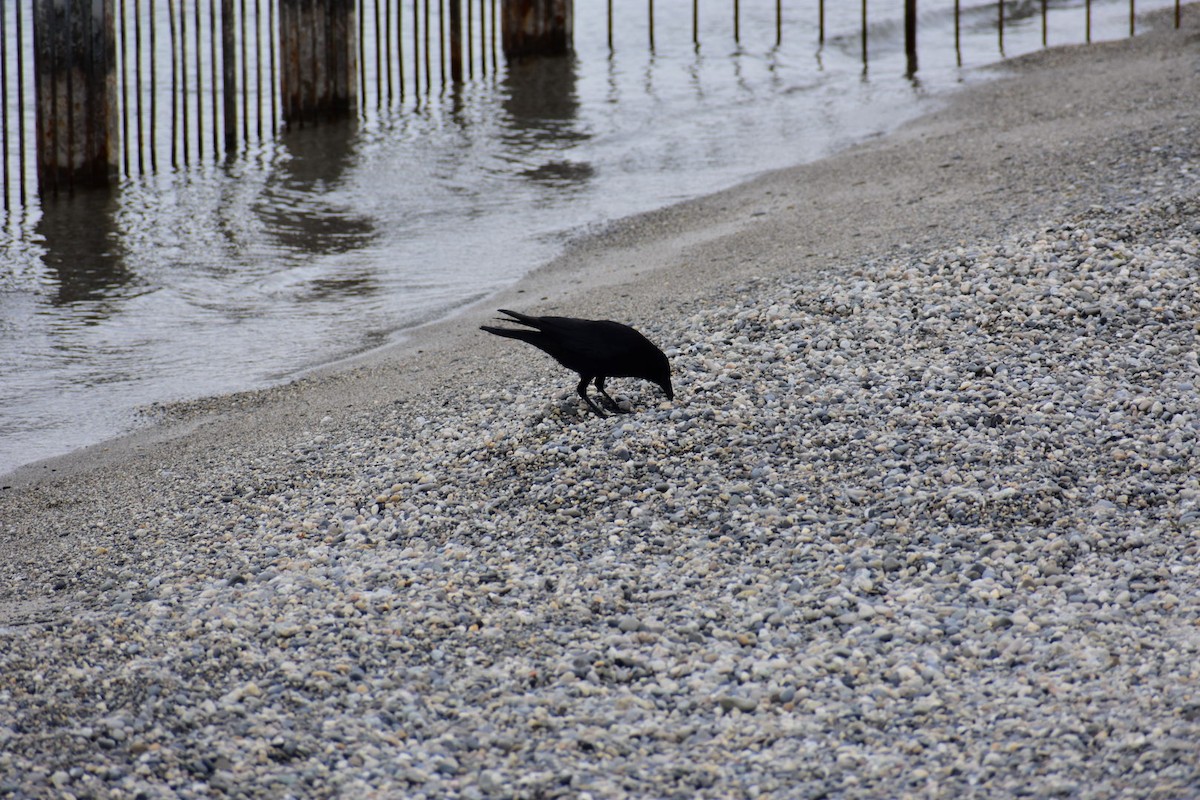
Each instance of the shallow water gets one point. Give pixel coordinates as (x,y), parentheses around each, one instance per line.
(336,239)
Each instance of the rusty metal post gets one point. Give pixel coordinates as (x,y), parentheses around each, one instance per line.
(536,27)
(318,59)
(75,86)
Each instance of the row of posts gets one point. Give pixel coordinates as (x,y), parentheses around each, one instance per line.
(75,72)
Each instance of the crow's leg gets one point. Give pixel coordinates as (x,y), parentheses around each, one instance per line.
(582,390)
(615,407)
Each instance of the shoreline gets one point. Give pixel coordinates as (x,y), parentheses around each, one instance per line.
(914,501)
(699,220)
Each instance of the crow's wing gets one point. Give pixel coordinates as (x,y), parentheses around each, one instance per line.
(590,347)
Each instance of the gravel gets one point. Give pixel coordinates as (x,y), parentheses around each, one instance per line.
(924,527)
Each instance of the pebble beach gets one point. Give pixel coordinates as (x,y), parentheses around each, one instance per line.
(922,521)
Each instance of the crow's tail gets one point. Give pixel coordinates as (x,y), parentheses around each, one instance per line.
(524,319)
(514,333)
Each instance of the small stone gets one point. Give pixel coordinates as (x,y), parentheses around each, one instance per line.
(729,702)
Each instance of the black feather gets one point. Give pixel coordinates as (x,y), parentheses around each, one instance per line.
(596,349)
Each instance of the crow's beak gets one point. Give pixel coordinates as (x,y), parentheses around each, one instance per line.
(666,387)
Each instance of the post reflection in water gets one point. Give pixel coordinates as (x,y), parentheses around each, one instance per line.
(541,119)
(319,156)
(82,253)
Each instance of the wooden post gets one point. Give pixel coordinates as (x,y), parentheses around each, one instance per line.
(910,35)
(456,41)
(536,27)
(864,35)
(229,74)
(650,14)
(75,86)
(1000,26)
(958,32)
(610,25)
(318,59)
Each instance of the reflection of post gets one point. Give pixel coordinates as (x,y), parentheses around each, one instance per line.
(536,27)
(75,83)
(318,59)
(78,233)
(541,107)
(910,35)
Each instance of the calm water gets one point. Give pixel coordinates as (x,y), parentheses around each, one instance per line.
(337,239)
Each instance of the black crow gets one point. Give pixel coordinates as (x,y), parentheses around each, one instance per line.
(594,348)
